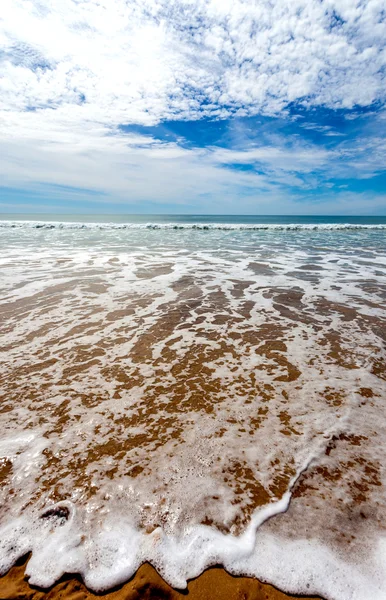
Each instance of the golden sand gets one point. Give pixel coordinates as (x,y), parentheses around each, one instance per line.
(207,393)
(213,584)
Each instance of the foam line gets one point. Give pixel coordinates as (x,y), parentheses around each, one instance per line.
(112,554)
(192,226)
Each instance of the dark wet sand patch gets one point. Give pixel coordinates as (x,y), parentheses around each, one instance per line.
(310,267)
(154,271)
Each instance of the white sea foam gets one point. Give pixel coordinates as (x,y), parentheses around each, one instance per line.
(112,554)
(147,392)
(8,224)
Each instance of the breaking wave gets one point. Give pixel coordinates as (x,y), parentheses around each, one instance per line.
(193,226)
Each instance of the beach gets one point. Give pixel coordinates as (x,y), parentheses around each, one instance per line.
(215,584)
(190,394)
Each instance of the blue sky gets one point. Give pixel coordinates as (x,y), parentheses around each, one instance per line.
(194,106)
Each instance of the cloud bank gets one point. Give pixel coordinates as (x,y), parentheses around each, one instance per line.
(73,72)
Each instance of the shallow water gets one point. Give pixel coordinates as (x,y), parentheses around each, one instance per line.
(194,392)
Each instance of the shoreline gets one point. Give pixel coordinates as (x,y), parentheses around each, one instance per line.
(152,387)
(213,584)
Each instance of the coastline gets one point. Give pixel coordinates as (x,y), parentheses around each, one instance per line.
(153,382)
(214,584)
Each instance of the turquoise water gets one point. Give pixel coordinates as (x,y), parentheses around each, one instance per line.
(191,232)
(191,219)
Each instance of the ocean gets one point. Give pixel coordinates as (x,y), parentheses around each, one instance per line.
(192,391)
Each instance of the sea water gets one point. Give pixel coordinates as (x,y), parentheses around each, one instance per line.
(195,390)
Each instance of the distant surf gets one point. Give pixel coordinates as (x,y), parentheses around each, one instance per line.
(192,226)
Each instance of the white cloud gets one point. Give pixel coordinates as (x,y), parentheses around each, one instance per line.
(71,71)
(300,158)
(151,60)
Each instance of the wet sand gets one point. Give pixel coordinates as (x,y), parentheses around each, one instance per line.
(213,584)
(159,392)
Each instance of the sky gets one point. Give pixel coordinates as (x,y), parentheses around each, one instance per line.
(193,106)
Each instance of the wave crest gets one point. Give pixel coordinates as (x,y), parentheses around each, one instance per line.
(192,226)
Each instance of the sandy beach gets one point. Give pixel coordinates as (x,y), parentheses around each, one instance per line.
(213,584)
(186,398)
